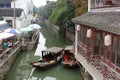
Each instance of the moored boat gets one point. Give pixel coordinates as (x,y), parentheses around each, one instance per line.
(69,59)
(50,57)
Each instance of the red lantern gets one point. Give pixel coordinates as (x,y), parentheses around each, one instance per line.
(108,40)
(89,33)
(78,27)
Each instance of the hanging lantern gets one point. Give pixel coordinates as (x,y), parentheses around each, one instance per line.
(89,33)
(108,40)
(78,27)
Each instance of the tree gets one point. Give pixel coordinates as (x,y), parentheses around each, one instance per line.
(62,11)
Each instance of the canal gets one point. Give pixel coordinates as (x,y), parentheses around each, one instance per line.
(22,70)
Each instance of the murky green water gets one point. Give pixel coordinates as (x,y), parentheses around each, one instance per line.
(22,70)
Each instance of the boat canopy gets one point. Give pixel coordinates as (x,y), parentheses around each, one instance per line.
(53,49)
(71,47)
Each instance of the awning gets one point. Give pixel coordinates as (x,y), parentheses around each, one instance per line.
(4,25)
(54,49)
(70,47)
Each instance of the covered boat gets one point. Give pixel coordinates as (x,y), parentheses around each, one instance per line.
(69,59)
(50,57)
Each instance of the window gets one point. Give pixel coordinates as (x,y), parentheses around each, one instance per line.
(97,3)
(5,5)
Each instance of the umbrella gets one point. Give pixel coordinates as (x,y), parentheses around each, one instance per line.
(25,29)
(13,31)
(4,25)
(34,26)
(5,35)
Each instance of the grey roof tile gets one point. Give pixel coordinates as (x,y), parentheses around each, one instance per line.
(5,1)
(106,21)
(9,12)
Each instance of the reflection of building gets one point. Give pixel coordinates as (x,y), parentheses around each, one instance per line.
(98,42)
(23,13)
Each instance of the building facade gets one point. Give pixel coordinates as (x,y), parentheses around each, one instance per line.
(27,14)
(16,15)
(97,39)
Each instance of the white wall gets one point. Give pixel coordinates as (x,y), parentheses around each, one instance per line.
(27,14)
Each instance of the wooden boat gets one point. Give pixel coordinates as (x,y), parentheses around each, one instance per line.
(69,59)
(50,57)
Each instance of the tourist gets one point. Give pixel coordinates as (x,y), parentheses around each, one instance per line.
(10,44)
(5,45)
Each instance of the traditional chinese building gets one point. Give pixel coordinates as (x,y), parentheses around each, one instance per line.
(97,45)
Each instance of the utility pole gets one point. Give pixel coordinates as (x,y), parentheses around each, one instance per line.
(14,16)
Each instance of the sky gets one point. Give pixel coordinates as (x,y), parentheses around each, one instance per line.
(39,3)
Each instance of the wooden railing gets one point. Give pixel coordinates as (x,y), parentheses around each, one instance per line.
(94,6)
(8,50)
(111,72)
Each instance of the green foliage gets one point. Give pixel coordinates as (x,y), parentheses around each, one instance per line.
(63,11)
(46,11)
(80,7)
(57,14)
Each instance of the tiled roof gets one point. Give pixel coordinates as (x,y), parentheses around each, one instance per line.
(5,1)
(106,21)
(9,12)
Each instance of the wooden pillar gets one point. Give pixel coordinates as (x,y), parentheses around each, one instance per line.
(92,43)
(100,48)
(111,47)
(105,52)
(116,53)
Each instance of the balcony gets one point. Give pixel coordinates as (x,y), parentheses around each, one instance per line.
(105,6)
(105,9)
(97,66)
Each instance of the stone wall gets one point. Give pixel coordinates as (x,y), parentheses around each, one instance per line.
(70,35)
(8,60)
(53,27)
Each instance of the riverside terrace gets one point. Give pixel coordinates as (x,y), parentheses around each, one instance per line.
(8,56)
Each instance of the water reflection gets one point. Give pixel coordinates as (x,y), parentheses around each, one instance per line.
(22,70)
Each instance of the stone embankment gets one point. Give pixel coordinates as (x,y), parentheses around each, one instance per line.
(8,56)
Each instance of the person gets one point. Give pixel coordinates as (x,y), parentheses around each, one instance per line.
(5,45)
(43,59)
(65,57)
(10,44)
(31,34)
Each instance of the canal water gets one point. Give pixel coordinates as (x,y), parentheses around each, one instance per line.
(22,70)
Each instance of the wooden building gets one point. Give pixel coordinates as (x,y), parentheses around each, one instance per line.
(98,40)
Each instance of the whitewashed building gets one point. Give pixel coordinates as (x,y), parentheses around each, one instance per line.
(27,14)
(23,12)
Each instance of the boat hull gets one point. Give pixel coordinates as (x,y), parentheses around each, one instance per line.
(70,64)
